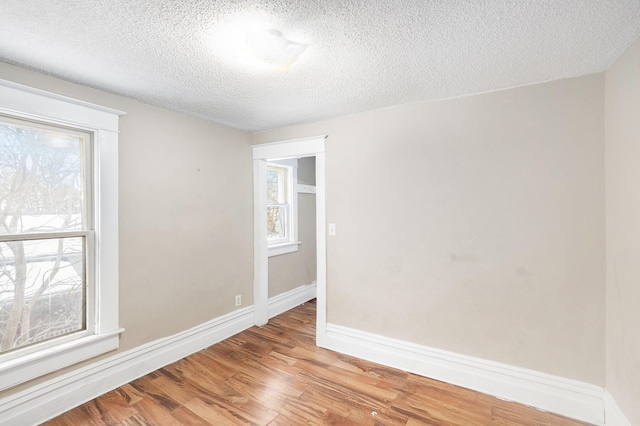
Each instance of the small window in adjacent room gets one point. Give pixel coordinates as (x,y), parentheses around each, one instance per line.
(282,212)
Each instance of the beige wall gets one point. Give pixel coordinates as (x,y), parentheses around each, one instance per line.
(474,225)
(623,231)
(289,271)
(186,214)
(307,171)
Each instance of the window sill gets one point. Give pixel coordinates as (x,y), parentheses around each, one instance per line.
(283,248)
(22,369)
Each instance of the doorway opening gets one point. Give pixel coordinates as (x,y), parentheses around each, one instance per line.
(274,158)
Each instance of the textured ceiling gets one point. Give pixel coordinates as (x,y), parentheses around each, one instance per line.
(362,54)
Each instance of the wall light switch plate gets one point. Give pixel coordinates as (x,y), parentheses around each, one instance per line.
(332,229)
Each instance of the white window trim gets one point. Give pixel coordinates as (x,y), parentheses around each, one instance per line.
(29,103)
(283,248)
(290,246)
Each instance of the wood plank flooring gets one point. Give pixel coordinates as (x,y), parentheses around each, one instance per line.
(275,375)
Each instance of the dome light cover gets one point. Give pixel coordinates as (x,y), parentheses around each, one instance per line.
(270,49)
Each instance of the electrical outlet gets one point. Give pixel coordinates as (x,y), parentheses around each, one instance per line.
(238,300)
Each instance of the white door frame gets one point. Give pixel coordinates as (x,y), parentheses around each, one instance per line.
(295,148)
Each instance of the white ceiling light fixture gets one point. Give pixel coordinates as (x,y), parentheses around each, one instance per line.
(271,50)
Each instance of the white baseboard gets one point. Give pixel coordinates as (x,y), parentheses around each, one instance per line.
(556,394)
(567,397)
(613,415)
(55,396)
(292,298)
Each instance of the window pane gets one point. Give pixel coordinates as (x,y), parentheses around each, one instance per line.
(273,178)
(41,290)
(41,179)
(276,222)
(276,185)
(277,203)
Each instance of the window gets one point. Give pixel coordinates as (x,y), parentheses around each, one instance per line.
(58,232)
(278,203)
(45,225)
(282,214)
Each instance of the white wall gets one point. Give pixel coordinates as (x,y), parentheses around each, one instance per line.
(474,225)
(623,231)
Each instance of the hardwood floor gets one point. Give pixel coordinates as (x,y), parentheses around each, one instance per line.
(275,375)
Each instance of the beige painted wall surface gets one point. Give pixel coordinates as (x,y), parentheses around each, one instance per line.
(289,271)
(185,213)
(307,171)
(622,123)
(474,225)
